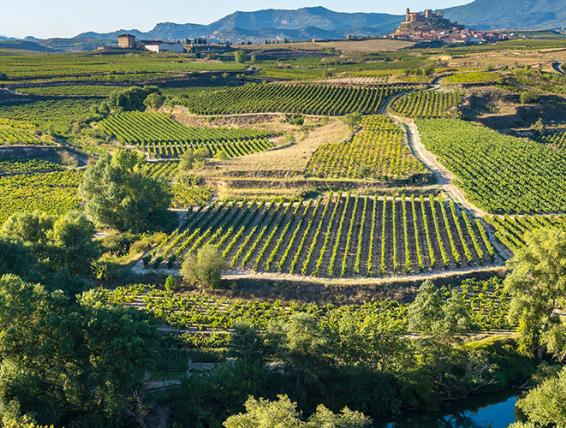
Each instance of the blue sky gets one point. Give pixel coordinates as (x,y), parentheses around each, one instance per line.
(64,18)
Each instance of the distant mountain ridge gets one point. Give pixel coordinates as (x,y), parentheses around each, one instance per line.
(321,23)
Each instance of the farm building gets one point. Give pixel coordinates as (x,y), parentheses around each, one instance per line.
(126,41)
(158,46)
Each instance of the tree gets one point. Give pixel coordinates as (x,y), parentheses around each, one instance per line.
(544,406)
(32,229)
(239,57)
(3,76)
(204,270)
(353,120)
(426,309)
(64,242)
(129,99)
(154,101)
(536,283)
(72,238)
(117,194)
(193,159)
(17,259)
(68,363)
(283,413)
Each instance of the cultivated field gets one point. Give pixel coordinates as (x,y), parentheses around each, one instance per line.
(336,236)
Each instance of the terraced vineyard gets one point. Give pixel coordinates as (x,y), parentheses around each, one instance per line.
(472,78)
(510,230)
(378,152)
(15,132)
(335,237)
(428,104)
(293,98)
(163,138)
(28,166)
(503,174)
(52,115)
(555,139)
(205,313)
(54,193)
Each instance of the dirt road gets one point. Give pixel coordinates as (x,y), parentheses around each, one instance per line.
(443,176)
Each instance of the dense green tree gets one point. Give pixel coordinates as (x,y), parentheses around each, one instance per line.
(130,99)
(117,194)
(426,310)
(154,101)
(544,405)
(69,364)
(64,242)
(537,283)
(283,413)
(205,269)
(72,237)
(17,259)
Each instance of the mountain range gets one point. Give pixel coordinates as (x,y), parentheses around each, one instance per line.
(321,23)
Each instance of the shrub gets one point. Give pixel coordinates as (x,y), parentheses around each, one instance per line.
(204,270)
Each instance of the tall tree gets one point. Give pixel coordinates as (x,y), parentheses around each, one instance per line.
(117,194)
(537,283)
(67,363)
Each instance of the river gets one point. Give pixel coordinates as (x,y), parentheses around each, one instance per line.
(495,410)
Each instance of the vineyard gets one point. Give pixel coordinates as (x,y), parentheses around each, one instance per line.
(13,132)
(318,99)
(201,314)
(378,152)
(163,138)
(473,78)
(503,174)
(510,230)
(555,139)
(428,104)
(335,236)
(49,115)
(54,193)
(28,166)
(72,90)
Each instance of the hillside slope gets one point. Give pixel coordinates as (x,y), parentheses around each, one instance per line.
(510,14)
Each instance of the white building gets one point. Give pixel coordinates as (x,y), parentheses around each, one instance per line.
(158,46)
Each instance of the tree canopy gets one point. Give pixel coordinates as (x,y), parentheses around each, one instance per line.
(118,195)
(67,363)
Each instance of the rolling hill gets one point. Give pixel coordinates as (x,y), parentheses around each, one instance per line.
(321,23)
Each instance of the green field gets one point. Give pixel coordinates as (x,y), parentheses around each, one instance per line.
(336,236)
(430,104)
(377,152)
(502,174)
(164,138)
(292,98)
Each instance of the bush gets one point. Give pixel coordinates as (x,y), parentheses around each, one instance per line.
(154,101)
(204,270)
(3,76)
(528,98)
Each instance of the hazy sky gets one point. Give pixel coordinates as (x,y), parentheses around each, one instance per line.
(64,18)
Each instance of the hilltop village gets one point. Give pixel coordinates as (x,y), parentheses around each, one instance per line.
(432,26)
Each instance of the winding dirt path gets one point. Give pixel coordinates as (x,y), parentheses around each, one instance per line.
(443,176)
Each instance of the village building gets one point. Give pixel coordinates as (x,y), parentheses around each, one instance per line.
(158,46)
(126,41)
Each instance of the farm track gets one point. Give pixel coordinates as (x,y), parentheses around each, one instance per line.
(235,276)
(443,176)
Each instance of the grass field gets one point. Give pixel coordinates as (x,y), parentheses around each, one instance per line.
(336,236)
